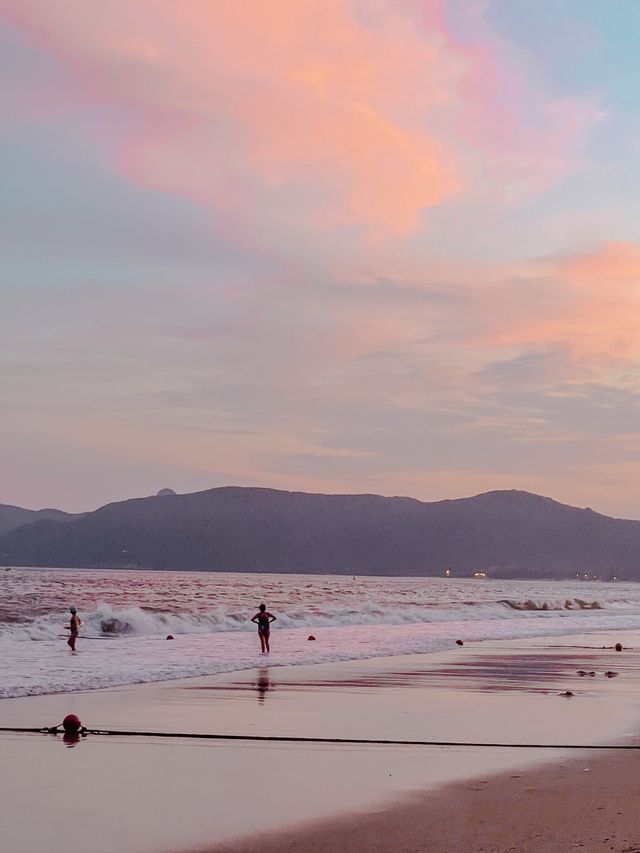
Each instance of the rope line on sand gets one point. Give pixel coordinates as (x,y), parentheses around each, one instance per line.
(292,739)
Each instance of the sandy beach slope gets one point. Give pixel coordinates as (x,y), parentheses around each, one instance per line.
(587,804)
(146,795)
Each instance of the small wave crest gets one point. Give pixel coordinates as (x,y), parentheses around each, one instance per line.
(567,604)
(141,620)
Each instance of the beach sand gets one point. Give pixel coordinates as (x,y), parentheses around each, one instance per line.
(147,795)
(586,804)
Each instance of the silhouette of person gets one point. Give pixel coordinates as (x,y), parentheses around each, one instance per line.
(263,619)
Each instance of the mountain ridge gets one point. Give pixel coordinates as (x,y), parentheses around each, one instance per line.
(507,533)
(12,517)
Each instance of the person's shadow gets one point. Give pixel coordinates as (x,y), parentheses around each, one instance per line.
(263,685)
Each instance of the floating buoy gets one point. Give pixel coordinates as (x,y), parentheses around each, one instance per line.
(169,636)
(618,647)
(459,643)
(581,672)
(71,724)
(610,674)
(567,694)
(310,637)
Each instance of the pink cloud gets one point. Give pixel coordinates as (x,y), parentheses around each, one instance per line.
(613,262)
(311,113)
(588,302)
(518,139)
(293,94)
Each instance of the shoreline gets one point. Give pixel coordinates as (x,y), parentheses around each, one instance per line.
(192,796)
(45,669)
(123,640)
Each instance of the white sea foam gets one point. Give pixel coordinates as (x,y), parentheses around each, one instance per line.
(138,620)
(127,616)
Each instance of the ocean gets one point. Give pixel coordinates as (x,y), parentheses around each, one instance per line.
(127,616)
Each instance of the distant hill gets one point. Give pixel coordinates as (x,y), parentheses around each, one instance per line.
(505,533)
(12,517)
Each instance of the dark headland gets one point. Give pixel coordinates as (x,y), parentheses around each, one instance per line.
(505,533)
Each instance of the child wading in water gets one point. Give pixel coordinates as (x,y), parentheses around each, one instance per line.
(264,619)
(73,627)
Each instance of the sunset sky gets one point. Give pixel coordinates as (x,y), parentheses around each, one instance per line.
(382,246)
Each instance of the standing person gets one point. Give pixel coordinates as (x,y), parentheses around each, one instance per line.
(73,627)
(263,619)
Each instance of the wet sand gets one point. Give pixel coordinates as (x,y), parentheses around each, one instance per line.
(146,795)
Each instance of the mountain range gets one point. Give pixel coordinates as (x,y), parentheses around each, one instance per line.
(504,533)
(12,517)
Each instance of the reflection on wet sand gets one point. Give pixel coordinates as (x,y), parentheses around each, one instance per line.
(503,670)
(263,685)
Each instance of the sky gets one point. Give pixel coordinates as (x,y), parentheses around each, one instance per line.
(384,246)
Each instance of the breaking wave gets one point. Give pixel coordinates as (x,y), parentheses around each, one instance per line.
(127,616)
(107,621)
(567,604)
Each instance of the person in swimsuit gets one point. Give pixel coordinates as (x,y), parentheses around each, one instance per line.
(263,619)
(73,627)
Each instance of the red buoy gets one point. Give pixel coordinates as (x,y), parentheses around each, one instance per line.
(169,636)
(310,637)
(71,724)
(618,647)
(459,643)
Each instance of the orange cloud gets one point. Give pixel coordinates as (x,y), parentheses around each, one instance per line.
(608,264)
(588,302)
(316,114)
(304,97)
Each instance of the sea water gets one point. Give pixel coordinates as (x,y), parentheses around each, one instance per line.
(127,616)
